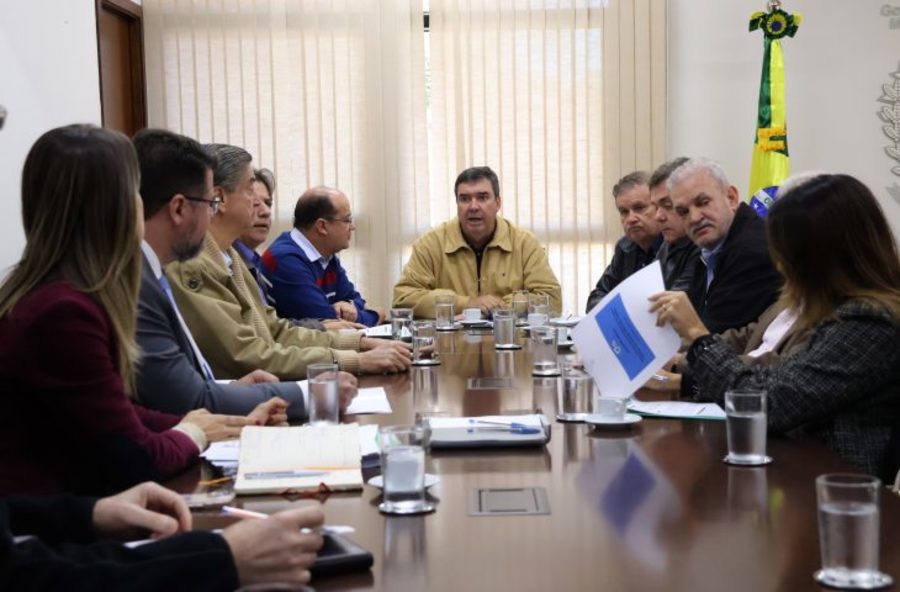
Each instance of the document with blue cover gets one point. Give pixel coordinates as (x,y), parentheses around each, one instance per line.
(618,340)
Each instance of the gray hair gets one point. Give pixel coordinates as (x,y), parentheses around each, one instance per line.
(267,178)
(630,181)
(233,162)
(695,165)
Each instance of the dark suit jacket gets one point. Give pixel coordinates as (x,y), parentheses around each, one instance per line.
(745,282)
(627,259)
(679,262)
(169,376)
(189,561)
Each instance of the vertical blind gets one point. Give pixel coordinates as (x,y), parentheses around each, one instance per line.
(560,98)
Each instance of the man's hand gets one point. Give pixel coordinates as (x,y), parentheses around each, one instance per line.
(144,509)
(675,308)
(271,412)
(257,377)
(486,303)
(383,360)
(347,389)
(345,310)
(276,549)
(368,343)
(337,325)
(218,427)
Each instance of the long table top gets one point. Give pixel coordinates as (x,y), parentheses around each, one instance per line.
(652,507)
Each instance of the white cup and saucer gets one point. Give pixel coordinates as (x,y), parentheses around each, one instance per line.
(611,413)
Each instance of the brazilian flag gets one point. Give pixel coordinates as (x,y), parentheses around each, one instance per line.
(770,164)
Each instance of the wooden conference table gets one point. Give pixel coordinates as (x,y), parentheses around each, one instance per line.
(649,508)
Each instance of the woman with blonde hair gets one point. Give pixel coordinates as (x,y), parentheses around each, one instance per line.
(830,240)
(67,324)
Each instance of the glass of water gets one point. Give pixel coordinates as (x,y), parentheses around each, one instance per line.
(520,306)
(444,312)
(323,393)
(403,469)
(544,349)
(505,329)
(400,321)
(848,532)
(424,353)
(539,304)
(745,411)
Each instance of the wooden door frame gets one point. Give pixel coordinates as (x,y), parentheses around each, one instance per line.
(134,14)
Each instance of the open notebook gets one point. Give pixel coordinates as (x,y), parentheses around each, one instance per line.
(278,459)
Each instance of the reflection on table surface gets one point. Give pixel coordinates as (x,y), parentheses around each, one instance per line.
(648,508)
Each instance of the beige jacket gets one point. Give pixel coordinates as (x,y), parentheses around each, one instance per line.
(237,333)
(443,263)
(749,337)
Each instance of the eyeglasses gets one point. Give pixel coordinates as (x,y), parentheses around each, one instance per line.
(347,220)
(213,203)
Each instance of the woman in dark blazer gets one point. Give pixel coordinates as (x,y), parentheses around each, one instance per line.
(831,242)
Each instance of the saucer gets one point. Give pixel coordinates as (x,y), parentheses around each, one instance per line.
(425,508)
(478,323)
(564,322)
(743,463)
(871,581)
(430,480)
(602,421)
(566,343)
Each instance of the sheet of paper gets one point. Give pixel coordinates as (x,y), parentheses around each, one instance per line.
(226,451)
(618,340)
(678,409)
(368,444)
(384,331)
(369,400)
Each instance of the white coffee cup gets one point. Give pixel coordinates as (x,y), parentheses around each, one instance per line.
(472,314)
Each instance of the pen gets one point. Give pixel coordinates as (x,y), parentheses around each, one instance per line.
(242,513)
(283,474)
(513,427)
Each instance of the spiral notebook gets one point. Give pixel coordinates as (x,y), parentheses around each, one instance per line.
(301,458)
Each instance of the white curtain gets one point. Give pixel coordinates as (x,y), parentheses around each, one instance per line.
(560,98)
(320,91)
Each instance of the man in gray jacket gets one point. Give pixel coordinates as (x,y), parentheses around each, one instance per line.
(176,188)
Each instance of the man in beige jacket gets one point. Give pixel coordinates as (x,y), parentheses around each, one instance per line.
(235,330)
(478,257)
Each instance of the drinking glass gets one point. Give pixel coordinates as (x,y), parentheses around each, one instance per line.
(575,397)
(403,469)
(539,304)
(505,329)
(745,412)
(424,353)
(544,350)
(400,321)
(444,312)
(848,532)
(519,305)
(323,393)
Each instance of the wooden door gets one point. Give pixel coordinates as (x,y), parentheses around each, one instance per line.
(120,46)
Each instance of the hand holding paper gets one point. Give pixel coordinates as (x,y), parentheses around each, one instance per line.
(619,340)
(676,309)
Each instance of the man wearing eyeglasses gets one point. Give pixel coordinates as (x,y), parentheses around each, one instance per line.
(478,257)
(307,277)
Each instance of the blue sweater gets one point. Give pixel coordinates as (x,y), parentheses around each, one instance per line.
(301,288)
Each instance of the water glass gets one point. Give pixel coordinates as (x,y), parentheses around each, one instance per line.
(444,312)
(519,305)
(403,469)
(539,304)
(400,321)
(323,393)
(505,329)
(745,412)
(424,352)
(849,519)
(575,397)
(544,350)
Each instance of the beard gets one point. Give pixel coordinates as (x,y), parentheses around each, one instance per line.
(184,249)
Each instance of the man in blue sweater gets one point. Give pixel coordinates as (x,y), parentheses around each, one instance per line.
(302,265)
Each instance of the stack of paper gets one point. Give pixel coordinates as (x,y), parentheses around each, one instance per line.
(276,459)
(677,409)
(489,430)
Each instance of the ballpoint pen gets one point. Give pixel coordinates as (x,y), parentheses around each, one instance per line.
(501,426)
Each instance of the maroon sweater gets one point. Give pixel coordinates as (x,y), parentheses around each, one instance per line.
(66,424)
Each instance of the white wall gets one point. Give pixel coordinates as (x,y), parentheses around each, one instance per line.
(835,67)
(49,76)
